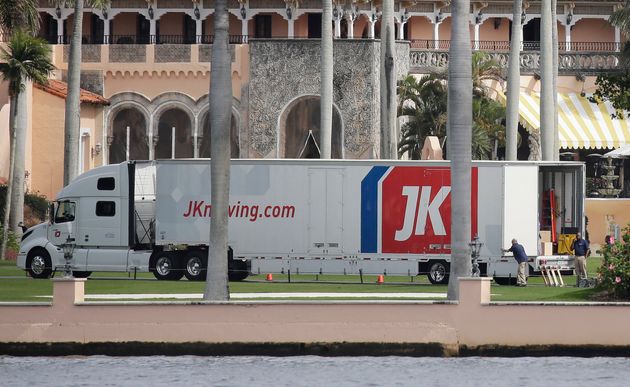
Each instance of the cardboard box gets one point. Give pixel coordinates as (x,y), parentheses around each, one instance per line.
(545,236)
(547,248)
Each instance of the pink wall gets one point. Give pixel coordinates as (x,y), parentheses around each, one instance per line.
(473,321)
(420,28)
(592,30)
(124,24)
(172,24)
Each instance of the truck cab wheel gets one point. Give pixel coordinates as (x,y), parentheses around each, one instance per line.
(438,272)
(166,266)
(38,264)
(195,266)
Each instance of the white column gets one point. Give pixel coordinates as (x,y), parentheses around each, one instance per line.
(291,28)
(106,31)
(244,27)
(477,36)
(567,37)
(198,30)
(152,37)
(617,39)
(173,142)
(127,147)
(60,31)
(371,31)
(401,31)
(350,19)
(436,35)
(337,20)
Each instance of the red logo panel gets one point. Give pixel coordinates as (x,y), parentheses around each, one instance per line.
(416,210)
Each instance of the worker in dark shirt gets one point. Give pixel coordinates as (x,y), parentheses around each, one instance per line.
(581,250)
(519,254)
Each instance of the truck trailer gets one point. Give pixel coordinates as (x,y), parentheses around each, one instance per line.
(307,216)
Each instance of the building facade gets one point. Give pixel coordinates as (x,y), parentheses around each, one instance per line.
(151,60)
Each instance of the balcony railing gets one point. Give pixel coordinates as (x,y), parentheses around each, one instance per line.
(498,45)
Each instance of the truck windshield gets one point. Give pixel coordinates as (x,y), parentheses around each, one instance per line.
(65,212)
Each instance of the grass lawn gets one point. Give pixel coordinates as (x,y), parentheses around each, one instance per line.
(15,286)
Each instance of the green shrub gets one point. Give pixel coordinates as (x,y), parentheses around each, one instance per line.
(13,245)
(35,207)
(614,274)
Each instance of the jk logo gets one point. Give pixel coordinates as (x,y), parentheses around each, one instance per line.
(419,211)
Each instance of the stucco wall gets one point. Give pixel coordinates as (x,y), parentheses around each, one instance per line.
(602,212)
(5,107)
(472,322)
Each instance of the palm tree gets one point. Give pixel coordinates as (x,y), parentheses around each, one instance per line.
(425,101)
(217,285)
(388,83)
(460,127)
(73,102)
(25,58)
(513,83)
(547,127)
(621,19)
(488,132)
(326,99)
(554,58)
(16,14)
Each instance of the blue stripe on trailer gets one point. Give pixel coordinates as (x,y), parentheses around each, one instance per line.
(369,209)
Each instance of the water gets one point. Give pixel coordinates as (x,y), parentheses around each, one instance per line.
(298,371)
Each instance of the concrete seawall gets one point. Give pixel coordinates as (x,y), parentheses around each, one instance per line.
(472,326)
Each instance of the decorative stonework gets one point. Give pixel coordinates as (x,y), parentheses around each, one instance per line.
(422,61)
(90,53)
(128,53)
(205,53)
(282,70)
(172,53)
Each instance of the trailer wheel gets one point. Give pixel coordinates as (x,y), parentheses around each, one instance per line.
(166,266)
(195,266)
(38,264)
(438,272)
(237,270)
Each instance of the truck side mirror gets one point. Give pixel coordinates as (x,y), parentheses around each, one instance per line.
(51,213)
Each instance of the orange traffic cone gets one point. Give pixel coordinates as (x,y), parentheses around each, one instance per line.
(269,277)
(379,279)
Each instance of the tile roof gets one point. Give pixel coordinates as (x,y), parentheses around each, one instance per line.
(60,89)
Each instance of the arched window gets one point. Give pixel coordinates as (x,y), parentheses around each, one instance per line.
(128,139)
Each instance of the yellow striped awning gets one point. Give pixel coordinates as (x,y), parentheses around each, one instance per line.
(581,124)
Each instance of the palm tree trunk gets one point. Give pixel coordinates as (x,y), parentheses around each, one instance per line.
(513,84)
(547,127)
(73,102)
(7,198)
(460,122)
(554,32)
(217,285)
(19,157)
(327,81)
(388,83)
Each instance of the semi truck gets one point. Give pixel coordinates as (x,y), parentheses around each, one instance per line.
(306,216)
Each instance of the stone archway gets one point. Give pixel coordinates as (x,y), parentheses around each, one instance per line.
(182,147)
(300,128)
(204,140)
(130,123)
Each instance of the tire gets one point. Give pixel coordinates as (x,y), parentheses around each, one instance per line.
(38,264)
(438,272)
(237,270)
(511,281)
(166,266)
(195,265)
(81,274)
